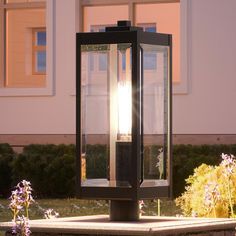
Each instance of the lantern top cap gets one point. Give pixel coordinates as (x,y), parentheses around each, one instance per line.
(123,25)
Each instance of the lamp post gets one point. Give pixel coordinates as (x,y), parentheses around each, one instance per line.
(123,101)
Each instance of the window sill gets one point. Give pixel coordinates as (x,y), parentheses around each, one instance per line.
(15,92)
(180,87)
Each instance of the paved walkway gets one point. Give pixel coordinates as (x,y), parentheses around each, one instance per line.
(100,225)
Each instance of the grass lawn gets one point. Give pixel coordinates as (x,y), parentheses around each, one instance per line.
(76,207)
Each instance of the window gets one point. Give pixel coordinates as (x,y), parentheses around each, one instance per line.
(101,58)
(39,51)
(23,44)
(165,14)
(148,27)
(150,62)
(93,22)
(150,59)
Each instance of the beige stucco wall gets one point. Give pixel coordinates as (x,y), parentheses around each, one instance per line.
(206,108)
(48,114)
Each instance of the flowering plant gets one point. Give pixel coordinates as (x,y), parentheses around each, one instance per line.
(211,190)
(21,226)
(50,214)
(21,198)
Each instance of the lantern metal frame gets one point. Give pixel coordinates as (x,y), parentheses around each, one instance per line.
(135,36)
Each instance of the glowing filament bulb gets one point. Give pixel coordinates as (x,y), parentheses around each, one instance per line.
(124,110)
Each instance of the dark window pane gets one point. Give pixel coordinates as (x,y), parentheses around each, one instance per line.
(123,61)
(41,61)
(150,29)
(91,61)
(150,61)
(41,38)
(102,61)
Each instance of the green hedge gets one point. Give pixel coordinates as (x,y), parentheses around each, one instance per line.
(51,168)
(6,157)
(96,161)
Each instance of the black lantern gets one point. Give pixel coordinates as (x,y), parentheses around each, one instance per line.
(123,108)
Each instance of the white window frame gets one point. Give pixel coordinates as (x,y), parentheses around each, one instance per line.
(49,89)
(181,87)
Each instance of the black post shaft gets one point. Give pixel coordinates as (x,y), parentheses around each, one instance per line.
(124,210)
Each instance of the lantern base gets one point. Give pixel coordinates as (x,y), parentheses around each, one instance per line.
(124,210)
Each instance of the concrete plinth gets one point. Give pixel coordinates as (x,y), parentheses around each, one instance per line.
(153,226)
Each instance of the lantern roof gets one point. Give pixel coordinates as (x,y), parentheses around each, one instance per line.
(123,25)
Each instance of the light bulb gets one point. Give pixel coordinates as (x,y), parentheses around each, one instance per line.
(124,110)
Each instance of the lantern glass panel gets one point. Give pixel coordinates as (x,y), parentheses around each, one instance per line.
(106,115)
(155,118)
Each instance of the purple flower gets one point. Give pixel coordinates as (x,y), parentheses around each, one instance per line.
(16,203)
(212,194)
(22,194)
(229,164)
(21,227)
(25,191)
(21,198)
(51,214)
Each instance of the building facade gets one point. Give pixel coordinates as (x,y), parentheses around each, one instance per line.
(37,65)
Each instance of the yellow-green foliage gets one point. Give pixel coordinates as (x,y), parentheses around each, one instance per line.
(211,190)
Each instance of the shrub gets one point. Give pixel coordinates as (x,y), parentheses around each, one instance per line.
(6,157)
(96,161)
(187,157)
(61,176)
(211,190)
(50,168)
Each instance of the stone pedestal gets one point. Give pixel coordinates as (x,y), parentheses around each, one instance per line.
(153,226)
